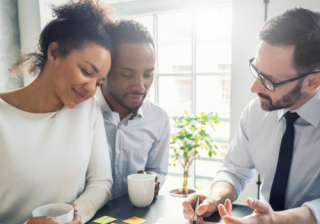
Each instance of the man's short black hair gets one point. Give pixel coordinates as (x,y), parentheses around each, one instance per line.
(129,31)
(299,27)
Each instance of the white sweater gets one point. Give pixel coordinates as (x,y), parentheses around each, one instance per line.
(52,157)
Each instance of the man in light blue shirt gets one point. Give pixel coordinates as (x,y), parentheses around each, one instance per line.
(287,71)
(138,131)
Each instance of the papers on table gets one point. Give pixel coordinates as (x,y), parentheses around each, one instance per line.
(170,220)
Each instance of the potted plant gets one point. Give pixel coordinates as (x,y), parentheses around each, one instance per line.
(189,135)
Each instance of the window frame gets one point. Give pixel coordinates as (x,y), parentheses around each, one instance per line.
(193,76)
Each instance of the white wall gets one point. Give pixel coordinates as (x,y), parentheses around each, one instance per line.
(29,23)
(9,43)
(248,17)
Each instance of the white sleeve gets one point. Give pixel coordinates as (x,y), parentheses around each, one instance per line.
(315,208)
(98,178)
(158,157)
(238,166)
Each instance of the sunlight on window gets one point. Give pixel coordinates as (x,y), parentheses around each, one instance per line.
(208,89)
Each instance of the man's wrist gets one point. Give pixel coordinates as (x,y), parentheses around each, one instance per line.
(221,191)
(295,216)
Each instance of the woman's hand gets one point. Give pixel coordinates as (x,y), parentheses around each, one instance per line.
(76,217)
(43,220)
(51,220)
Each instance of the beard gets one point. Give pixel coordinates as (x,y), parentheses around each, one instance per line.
(286,101)
(120,98)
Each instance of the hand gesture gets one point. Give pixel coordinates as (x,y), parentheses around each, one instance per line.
(263,213)
(206,207)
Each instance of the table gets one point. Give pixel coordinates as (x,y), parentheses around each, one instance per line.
(163,206)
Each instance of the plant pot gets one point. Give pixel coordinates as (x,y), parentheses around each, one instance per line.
(177,192)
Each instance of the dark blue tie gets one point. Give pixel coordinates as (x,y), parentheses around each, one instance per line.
(279,186)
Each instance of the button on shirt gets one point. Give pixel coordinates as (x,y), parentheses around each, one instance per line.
(257,144)
(140,141)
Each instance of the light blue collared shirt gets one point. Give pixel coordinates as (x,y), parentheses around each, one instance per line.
(257,144)
(138,144)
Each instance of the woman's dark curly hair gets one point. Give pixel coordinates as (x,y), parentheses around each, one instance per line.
(78,23)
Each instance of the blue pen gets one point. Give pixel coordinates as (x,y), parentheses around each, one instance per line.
(195,217)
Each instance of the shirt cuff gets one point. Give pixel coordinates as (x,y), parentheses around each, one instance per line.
(223,176)
(315,208)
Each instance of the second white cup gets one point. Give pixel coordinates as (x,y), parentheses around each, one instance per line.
(141,189)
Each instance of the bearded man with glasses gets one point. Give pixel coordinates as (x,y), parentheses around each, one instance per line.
(279,133)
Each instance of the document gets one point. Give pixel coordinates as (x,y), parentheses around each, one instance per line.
(171,220)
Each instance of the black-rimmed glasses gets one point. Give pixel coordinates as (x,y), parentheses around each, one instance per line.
(271,86)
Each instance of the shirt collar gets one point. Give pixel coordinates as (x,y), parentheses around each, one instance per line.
(105,107)
(102,101)
(308,111)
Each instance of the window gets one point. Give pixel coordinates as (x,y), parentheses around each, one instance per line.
(193,74)
(193,68)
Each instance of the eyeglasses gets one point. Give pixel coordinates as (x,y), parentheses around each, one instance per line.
(271,86)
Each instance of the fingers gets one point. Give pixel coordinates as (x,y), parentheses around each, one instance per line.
(43,220)
(200,220)
(259,206)
(156,188)
(228,206)
(226,215)
(156,179)
(188,205)
(74,205)
(222,210)
(77,217)
(141,171)
(232,220)
(205,208)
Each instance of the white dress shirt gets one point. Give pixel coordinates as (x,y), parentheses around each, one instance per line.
(138,144)
(52,157)
(257,144)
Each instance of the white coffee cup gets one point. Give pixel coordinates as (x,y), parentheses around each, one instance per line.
(63,212)
(141,189)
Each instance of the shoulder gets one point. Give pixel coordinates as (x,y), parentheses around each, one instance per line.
(90,107)
(152,110)
(253,113)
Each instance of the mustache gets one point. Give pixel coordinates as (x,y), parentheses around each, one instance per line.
(137,93)
(264,96)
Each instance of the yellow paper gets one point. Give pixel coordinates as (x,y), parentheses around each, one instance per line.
(104,220)
(135,220)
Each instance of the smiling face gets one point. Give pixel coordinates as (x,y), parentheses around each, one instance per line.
(130,76)
(275,63)
(75,77)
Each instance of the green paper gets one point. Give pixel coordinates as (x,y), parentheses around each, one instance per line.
(104,220)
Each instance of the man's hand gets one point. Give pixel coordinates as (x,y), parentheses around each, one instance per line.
(156,184)
(263,213)
(206,207)
(76,217)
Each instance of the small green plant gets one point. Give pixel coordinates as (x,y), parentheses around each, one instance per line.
(189,135)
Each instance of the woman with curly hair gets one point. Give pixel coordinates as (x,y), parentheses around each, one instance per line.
(52,141)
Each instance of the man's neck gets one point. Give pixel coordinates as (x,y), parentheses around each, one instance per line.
(113,104)
(303,100)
